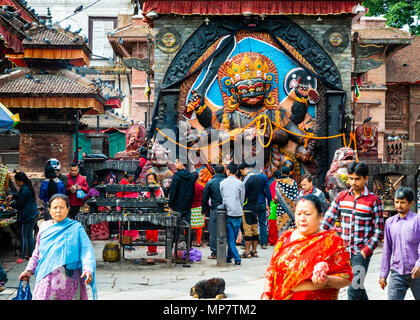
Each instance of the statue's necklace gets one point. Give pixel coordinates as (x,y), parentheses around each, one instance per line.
(370,132)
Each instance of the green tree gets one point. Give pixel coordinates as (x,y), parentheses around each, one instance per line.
(397,12)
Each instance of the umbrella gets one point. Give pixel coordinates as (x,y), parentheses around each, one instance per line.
(7,119)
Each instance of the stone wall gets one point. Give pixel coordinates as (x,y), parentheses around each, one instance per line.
(342,60)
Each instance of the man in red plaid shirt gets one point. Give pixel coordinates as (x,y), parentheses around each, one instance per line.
(362,224)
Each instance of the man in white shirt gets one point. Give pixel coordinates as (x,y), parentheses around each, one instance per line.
(232,190)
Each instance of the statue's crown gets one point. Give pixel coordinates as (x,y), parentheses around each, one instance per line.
(247,69)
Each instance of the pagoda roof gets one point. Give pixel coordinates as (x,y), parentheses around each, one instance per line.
(28,88)
(54,36)
(107,120)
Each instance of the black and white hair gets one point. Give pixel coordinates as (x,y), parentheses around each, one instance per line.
(404,193)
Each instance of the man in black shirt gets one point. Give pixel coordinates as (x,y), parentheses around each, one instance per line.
(250,217)
(181,192)
(212,192)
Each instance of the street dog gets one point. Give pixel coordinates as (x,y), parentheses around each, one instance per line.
(211,288)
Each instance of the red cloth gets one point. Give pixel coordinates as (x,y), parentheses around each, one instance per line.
(81,181)
(293,262)
(198,195)
(153,236)
(273,189)
(273,234)
(124,194)
(279,7)
(100,231)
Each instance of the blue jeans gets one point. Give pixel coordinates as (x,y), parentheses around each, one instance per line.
(399,284)
(3,276)
(232,226)
(213,231)
(356,290)
(262,223)
(27,242)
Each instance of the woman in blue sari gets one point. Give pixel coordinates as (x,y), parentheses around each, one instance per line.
(63,260)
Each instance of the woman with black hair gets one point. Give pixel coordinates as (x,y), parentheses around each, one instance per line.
(49,187)
(25,204)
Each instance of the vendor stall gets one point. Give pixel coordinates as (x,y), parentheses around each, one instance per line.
(137,214)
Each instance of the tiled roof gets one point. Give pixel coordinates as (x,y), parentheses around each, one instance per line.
(383,36)
(130,31)
(13,23)
(57,83)
(106,121)
(404,65)
(50,37)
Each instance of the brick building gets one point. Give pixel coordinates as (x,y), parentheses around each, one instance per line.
(403,95)
(374,46)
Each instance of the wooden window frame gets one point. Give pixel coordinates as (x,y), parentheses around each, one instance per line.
(91,20)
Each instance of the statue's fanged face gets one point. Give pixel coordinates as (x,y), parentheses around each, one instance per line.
(250,92)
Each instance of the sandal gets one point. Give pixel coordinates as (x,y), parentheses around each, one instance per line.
(212,257)
(254,254)
(245,255)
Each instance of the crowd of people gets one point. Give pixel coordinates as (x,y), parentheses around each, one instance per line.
(311,258)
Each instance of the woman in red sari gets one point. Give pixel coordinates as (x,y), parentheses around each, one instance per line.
(307,264)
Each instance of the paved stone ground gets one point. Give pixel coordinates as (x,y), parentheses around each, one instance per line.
(132,279)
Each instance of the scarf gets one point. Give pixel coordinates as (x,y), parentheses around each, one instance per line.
(65,244)
(294,261)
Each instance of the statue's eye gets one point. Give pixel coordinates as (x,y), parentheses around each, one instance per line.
(244,91)
(258,89)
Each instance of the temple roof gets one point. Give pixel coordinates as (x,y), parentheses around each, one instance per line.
(387,35)
(55,36)
(26,82)
(106,121)
(122,39)
(404,67)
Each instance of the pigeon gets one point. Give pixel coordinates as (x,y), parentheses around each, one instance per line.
(35,24)
(37,80)
(75,39)
(43,22)
(46,40)
(77,31)
(78,9)
(28,76)
(67,29)
(367,119)
(120,40)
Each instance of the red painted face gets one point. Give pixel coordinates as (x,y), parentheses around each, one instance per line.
(250,92)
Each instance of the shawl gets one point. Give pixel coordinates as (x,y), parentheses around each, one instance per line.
(65,244)
(294,261)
